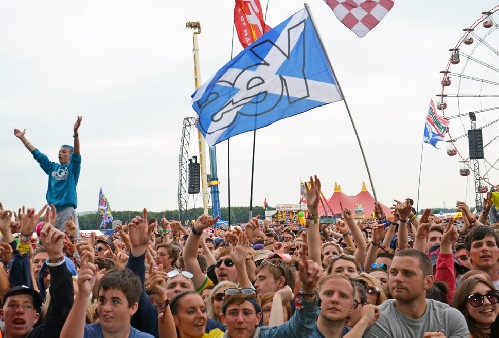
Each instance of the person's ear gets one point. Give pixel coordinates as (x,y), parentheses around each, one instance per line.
(469,256)
(134,309)
(428,281)
(282,282)
(259,316)
(37,316)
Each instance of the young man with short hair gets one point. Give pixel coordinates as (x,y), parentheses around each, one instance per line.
(119,292)
(336,292)
(410,314)
(483,250)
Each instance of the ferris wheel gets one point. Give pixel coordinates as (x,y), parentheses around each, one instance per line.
(469,99)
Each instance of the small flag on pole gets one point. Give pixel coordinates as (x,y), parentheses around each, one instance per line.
(265,204)
(284,73)
(249,21)
(105,210)
(435,126)
(303,193)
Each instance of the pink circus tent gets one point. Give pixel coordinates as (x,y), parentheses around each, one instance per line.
(363,198)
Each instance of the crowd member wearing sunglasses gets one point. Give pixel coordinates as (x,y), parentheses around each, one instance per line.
(381,274)
(410,314)
(375,293)
(216,300)
(271,276)
(477,298)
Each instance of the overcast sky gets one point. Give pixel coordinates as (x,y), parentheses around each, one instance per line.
(127,67)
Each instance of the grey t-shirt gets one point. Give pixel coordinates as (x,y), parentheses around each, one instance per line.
(437,317)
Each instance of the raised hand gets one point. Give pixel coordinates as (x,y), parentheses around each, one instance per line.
(19,134)
(30,219)
(140,234)
(86,251)
(309,272)
(404,209)
(5,252)
(370,313)
(450,235)
(252,228)
(69,247)
(378,211)
(77,124)
(157,283)
(53,240)
(378,233)
(70,227)
(347,213)
(86,279)
(239,252)
(285,293)
(5,218)
(313,190)
(164,222)
(204,222)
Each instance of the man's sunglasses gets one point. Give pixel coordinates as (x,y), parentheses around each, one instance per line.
(244,291)
(99,248)
(228,262)
(477,299)
(381,266)
(176,272)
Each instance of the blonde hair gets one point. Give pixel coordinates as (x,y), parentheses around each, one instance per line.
(370,279)
(211,298)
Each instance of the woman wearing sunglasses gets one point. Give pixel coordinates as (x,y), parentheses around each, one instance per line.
(477,298)
(216,300)
(375,293)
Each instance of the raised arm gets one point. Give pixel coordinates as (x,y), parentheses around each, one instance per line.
(404,210)
(74,326)
(360,243)
(190,251)
(422,232)
(313,190)
(76,146)
(239,254)
(378,234)
(21,135)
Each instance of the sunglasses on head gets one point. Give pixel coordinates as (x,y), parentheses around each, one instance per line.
(244,291)
(219,296)
(176,272)
(381,266)
(477,299)
(228,262)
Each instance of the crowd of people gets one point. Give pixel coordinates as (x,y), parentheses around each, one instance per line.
(395,275)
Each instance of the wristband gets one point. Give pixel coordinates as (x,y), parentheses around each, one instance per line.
(394,223)
(195,232)
(75,135)
(23,248)
(403,221)
(375,244)
(25,238)
(56,260)
(162,307)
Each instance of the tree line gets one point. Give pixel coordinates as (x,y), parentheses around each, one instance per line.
(92,221)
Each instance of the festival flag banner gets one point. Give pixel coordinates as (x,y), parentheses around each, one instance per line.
(360,16)
(284,73)
(249,21)
(105,210)
(435,126)
(265,204)
(303,193)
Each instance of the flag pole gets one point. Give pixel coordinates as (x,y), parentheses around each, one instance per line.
(346,104)
(419,178)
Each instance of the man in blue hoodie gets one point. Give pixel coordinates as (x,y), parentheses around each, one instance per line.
(63,176)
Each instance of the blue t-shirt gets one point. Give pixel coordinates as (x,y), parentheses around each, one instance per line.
(61,190)
(95,331)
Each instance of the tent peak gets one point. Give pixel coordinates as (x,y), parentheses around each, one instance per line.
(364,188)
(337,187)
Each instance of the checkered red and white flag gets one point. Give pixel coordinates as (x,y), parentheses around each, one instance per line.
(360,15)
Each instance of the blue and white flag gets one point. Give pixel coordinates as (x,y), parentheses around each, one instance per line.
(284,73)
(104,210)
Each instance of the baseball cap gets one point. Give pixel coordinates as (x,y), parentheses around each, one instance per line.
(23,289)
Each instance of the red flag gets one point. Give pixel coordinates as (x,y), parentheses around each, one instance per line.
(248,18)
